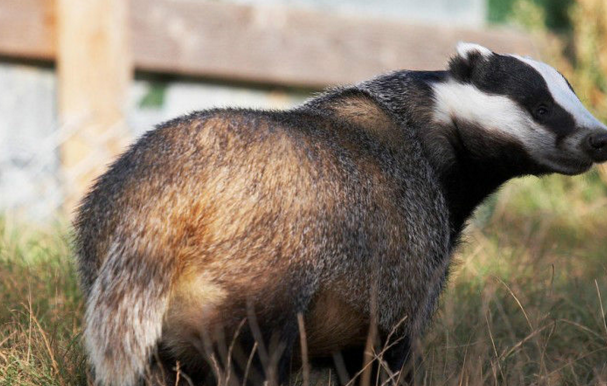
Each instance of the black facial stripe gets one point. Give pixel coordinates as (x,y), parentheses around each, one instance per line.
(560,122)
(508,76)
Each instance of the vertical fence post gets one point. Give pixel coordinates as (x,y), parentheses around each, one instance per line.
(94,71)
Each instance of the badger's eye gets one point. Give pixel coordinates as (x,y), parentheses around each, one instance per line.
(541,112)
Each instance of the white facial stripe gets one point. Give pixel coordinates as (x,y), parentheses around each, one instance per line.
(492,113)
(464,49)
(562,94)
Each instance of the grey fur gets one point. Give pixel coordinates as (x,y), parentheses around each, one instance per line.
(352,194)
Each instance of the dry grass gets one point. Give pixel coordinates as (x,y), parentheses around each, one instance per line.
(40,310)
(526,300)
(525,305)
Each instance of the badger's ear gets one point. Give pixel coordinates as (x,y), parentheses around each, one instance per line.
(469,55)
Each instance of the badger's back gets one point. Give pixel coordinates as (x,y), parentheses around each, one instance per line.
(244,169)
(218,210)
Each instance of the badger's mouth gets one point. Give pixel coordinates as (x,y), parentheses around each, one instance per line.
(577,154)
(570,166)
(577,168)
(569,160)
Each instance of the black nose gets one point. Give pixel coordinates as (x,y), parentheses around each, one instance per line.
(596,146)
(597,140)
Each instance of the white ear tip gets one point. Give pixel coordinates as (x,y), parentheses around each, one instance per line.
(464,49)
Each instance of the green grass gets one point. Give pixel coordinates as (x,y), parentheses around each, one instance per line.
(525,303)
(40,309)
(527,295)
(556,12)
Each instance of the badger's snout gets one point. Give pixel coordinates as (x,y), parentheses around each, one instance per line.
(595,145)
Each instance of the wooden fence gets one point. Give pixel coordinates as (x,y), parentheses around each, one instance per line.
(97,45)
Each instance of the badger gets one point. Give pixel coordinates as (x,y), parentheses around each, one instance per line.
(244,244)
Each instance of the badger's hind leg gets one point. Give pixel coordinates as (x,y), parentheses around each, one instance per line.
(193,311)
(258,350)
(164,371)
(265,349)
(221,336)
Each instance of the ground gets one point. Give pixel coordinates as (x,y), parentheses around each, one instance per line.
(525,302)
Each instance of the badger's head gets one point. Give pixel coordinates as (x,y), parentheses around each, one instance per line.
(525,106)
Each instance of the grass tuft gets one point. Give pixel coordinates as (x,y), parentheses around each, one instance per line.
(40,309)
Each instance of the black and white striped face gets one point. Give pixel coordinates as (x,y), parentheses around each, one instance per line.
(526,101)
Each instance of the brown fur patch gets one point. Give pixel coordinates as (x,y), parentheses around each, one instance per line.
(193,310)
(366,114)
(333,324)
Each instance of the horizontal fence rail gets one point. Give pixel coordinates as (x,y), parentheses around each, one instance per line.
(265,44)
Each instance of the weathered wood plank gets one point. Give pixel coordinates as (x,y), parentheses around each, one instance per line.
(267,44)
(27,29)
(94,72)
(283,45)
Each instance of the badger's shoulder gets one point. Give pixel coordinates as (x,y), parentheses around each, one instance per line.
(357,111)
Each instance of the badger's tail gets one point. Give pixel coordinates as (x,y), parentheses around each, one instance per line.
(124,314)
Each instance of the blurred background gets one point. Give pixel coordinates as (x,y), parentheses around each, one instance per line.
(80,80)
